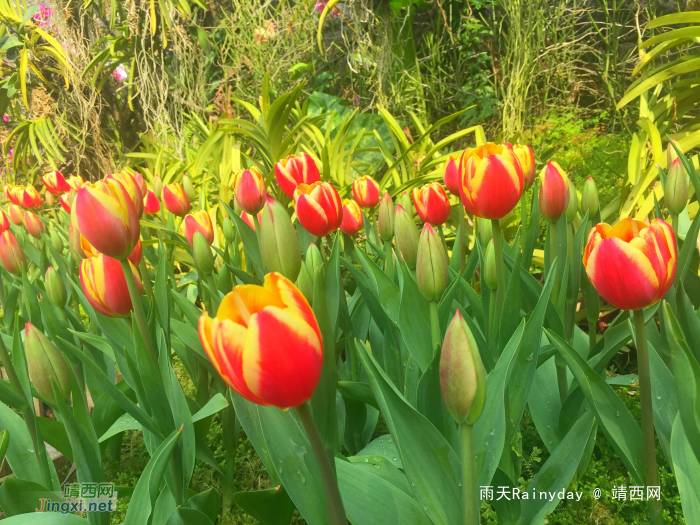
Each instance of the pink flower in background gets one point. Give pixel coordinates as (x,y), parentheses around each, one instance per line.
(6,118)
(43,15)
(263,34)
(321,5)
(120,73)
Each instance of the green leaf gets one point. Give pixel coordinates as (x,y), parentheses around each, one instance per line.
(250,240)
(384,447)
(20,452)
(19,497)
(686,467)
(185,516)
(414,320)
(54,433)
(214,405)
(45,518)
(269,506)
(357,391)
(124,423)
(385,289)
(206,502)
(429,400)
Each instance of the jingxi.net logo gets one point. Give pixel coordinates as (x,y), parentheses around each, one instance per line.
(82,497)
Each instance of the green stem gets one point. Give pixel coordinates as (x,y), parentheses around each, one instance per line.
(2,293)
(500,273)
(145,279)
(462,245)
(389,260)
(523,214)
(434,325)
(652,471)
(334,503)
(674,223)
(139,313)
(471,503)
(256,223)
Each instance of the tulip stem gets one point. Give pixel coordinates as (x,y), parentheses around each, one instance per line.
(471,503)
(434,325)
(500,275)
(674,223)
(462,244)
(334,503)
(139,313)
(652,471)
(145,279)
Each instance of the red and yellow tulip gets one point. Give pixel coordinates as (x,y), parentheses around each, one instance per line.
(198,221)
(75,182)
(451,176)
(33,223)
(65,201)
(249,189)
(352,217)
(140,182)
(105,215)
(527,162)
(55,183)
(631,264)
(11,254)
(16,214)
(131,187)
(366,192)
(318,207)
(28,197)
(295,170)
(554,191)
(492,180)
(431,203)
(104,285)
(4,222)
(265,343)
(151,204)
(11,194)
(175,199)
(136,254)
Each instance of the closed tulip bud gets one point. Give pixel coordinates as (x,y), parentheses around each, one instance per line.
(175,199)
(406,202)
(527,162)
(106,216)
(75,244)
(385,221)
(366,192)
(295,170)
(431,264)
(229,231)
(352,217)
(671,153)
(55,288)
(279,248)
(492,180)
(249,190)
(158,187)
(407,237)
(632,264)
(199,221)
(56,241)
(151,204)
(33,223)
(4,222)
(50,199)
(489,269)
(589,198)
(201,252)
(451,175)
(276,325)
(485,230)
(45,363)
(462,374)
(55,183)
(104,285)
(554,191)
(318,207)
(132,188)
(676,188)
(11,254)
(16,214)
(225,282)
(75,182)
(572,207)
(189,188)
(432,203)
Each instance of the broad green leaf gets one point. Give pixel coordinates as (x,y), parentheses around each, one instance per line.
(19,497)
(429,401)
(20,452)
(214,405)
(124,423)
(269,506)
(45,518)
(186,516)
(686,467)
(384,447)
(54,433)
(414,320)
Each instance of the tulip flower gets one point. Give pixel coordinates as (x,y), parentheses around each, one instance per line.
(55,288)
(554,191)
(88,249)
(151,204)
(45,362)
(431,264)
(75,182)
(28,197)
(175,199)
(16,214)
(11,255)
(318,208)
(265,343)
(279,244)
(201,222)
(55,183)
(366,192)
(676,188)
(527,163)
(136,254)
(65,201)
(75,244)
(406,201)
(451,176)
(385,221)
(352,217)
(671,153)
(632,264)
(131,187)
(249,190)
(589,198)
(34,225)
(11,194)
(248,219)
(492,180)
(295,170)
(140,182)
(105,215)
(407,237)
(432,203)
(4,222)
(104,285)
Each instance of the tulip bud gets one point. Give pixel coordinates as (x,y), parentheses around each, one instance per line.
(431,265)
(489,269)
(203,258)
(12,256)
(676,189)
(16,214)
(74,244)
(385,222)
(432,203)
(56,241)
(406,201)
(49,198)
(4,222)
(462,374)
(199,221)
(151,204)
(175,199)
(229,231)
(55,288)
(554,191)
(671,154)
(225,281)
(141,183)
(313,259)
(45,363)
(249,190)
(366,192)
(407,237)
(527,162)
(279,242)
(589,198)
(66,200)
(189,188)
(572,207)
(485,230)
(352,217)
(33,223)
(451,176)
(158,187)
